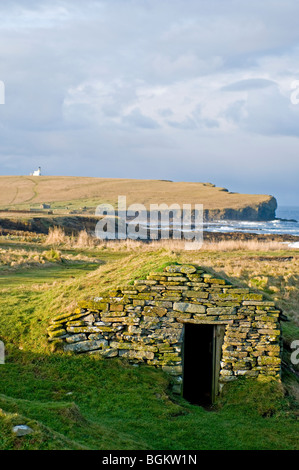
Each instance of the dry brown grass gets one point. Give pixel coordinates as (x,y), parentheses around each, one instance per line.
(58,237)
(180,246)
(16,258)
(84,240)
(244,245)
(17,190)
(11,257)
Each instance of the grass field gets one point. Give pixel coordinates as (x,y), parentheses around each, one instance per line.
(80,402)
(75,193)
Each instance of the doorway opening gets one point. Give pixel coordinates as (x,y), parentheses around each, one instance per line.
(201,362)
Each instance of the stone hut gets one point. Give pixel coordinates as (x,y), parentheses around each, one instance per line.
(200,329)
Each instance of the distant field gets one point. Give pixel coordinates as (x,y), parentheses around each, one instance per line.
(76,192)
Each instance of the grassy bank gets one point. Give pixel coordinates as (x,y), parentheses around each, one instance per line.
(80,402)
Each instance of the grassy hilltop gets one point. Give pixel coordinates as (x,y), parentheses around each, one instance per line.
(23,192)
(81,402)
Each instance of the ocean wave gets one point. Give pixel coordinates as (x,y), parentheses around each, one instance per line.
(270,227)
(294,245)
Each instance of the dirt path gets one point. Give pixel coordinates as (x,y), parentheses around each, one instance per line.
(34,189)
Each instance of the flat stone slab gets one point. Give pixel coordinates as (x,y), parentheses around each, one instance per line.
(186,307)
(84,346)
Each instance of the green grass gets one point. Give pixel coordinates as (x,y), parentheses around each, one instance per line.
(39,275)
(83,402)
(111,405)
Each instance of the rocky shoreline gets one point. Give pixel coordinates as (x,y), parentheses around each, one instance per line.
(74,224)
(207,236)
(246,236)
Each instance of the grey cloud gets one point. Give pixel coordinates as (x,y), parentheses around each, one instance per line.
(167,112)
(201,120)
(265,112)
(137,119)
(235,111)
(249,84)
(210,123)
(187,123)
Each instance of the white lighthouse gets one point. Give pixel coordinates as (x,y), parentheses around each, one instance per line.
(37,172)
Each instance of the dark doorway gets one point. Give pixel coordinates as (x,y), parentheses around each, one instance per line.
(201,363)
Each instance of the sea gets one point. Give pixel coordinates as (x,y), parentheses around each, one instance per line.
(285,223)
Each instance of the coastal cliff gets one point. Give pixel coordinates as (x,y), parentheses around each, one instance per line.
(263,211)
(11,222)
(25,200)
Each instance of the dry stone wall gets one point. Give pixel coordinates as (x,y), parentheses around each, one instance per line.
(144,323)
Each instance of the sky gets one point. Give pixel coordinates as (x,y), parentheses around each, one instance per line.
(185,90)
